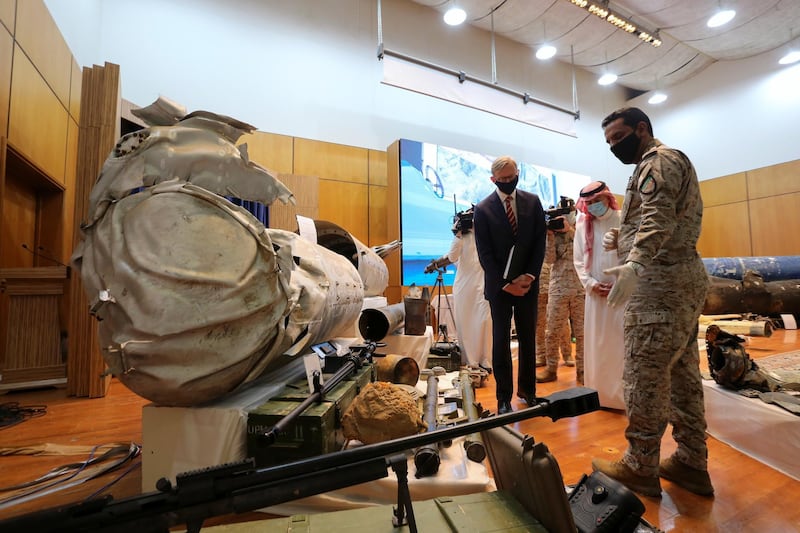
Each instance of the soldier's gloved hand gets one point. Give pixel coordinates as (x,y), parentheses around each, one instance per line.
(610,239)
(626,282)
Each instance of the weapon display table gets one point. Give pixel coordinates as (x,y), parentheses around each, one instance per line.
(180,439)
(762,431)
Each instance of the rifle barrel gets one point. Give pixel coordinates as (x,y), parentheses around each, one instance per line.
(240,487)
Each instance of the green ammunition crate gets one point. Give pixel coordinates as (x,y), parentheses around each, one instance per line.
(498,512)
(315,432)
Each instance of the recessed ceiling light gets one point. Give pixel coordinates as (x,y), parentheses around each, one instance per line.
(657,98)
(721,17)
(546,52)
(455,16)
(791,57)
(607,79)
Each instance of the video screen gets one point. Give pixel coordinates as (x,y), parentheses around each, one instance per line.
(436,182)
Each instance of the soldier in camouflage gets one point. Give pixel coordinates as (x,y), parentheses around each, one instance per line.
(541,324)
(566,302)
(541,315)
(664,284)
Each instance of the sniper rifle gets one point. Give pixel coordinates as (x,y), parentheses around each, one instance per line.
(240,487)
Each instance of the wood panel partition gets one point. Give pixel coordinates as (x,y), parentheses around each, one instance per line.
(752,213)
(99,131)
(30,327)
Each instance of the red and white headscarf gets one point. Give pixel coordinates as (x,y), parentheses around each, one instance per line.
(590,193)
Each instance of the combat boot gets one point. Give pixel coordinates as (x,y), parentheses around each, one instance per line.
(644,485)
(691,479)
(546,376)
(541,361)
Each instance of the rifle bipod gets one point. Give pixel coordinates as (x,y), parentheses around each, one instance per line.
(404,513)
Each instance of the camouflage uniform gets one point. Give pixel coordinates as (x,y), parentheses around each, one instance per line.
(661,219)
(541,322)
(566,302)
(541,314)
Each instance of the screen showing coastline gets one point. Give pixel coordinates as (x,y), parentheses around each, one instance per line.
(436,182)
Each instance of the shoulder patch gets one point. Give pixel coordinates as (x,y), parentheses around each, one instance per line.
(648,185)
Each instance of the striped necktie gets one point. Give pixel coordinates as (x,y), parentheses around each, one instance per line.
(510,214)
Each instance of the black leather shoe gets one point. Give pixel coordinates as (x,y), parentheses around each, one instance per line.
(503,407)
(530,399)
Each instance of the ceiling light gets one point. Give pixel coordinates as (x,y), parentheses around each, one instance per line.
(546,52)
(791,57)
(657,98)
(720,18)
(455,16)
(607,79)
(601,9)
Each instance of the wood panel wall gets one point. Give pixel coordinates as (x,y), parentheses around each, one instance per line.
(752,213)
(342,184)
(40,86)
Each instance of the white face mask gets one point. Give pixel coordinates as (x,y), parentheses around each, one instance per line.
(598,209)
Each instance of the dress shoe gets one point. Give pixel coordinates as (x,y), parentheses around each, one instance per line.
(546,376)
(503,407)
(530,399)
(644,485)
(691,479)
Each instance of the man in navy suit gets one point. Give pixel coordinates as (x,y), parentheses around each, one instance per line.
(511,218)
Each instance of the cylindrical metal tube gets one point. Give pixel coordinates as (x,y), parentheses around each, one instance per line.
(473,444)
(426,458)
(753,328)
(771,268)
(371,267)
(752,295)
(375,324)
(396,368)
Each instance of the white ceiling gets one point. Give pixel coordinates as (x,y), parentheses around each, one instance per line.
(689,46)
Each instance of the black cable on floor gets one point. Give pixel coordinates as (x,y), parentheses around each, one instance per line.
(12,413)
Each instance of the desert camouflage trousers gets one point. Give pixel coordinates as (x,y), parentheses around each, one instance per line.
(563,309)
(661,369)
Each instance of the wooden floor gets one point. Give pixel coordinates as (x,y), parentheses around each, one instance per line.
(750,497)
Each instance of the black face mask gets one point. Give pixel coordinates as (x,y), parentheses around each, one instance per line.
(626,149)
(507,187)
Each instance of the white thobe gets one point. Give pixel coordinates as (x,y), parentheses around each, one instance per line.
(472,315)
(604,348)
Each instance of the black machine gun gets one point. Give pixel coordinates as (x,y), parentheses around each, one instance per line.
(551,216)
(241,487)
(347,365)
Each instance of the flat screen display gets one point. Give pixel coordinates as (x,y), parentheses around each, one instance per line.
(436,182)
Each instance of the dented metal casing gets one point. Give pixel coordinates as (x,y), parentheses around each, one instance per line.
(194,296)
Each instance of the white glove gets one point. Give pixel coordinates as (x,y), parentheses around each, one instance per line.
(623,287)
(610,239)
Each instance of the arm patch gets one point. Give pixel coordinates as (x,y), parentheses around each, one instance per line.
(648,185)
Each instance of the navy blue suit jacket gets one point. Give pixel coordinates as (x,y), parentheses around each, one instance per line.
(494,238)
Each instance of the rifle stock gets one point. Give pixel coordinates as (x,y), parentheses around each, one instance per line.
(241,487)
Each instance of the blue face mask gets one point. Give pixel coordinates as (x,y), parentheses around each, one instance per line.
(598,209)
